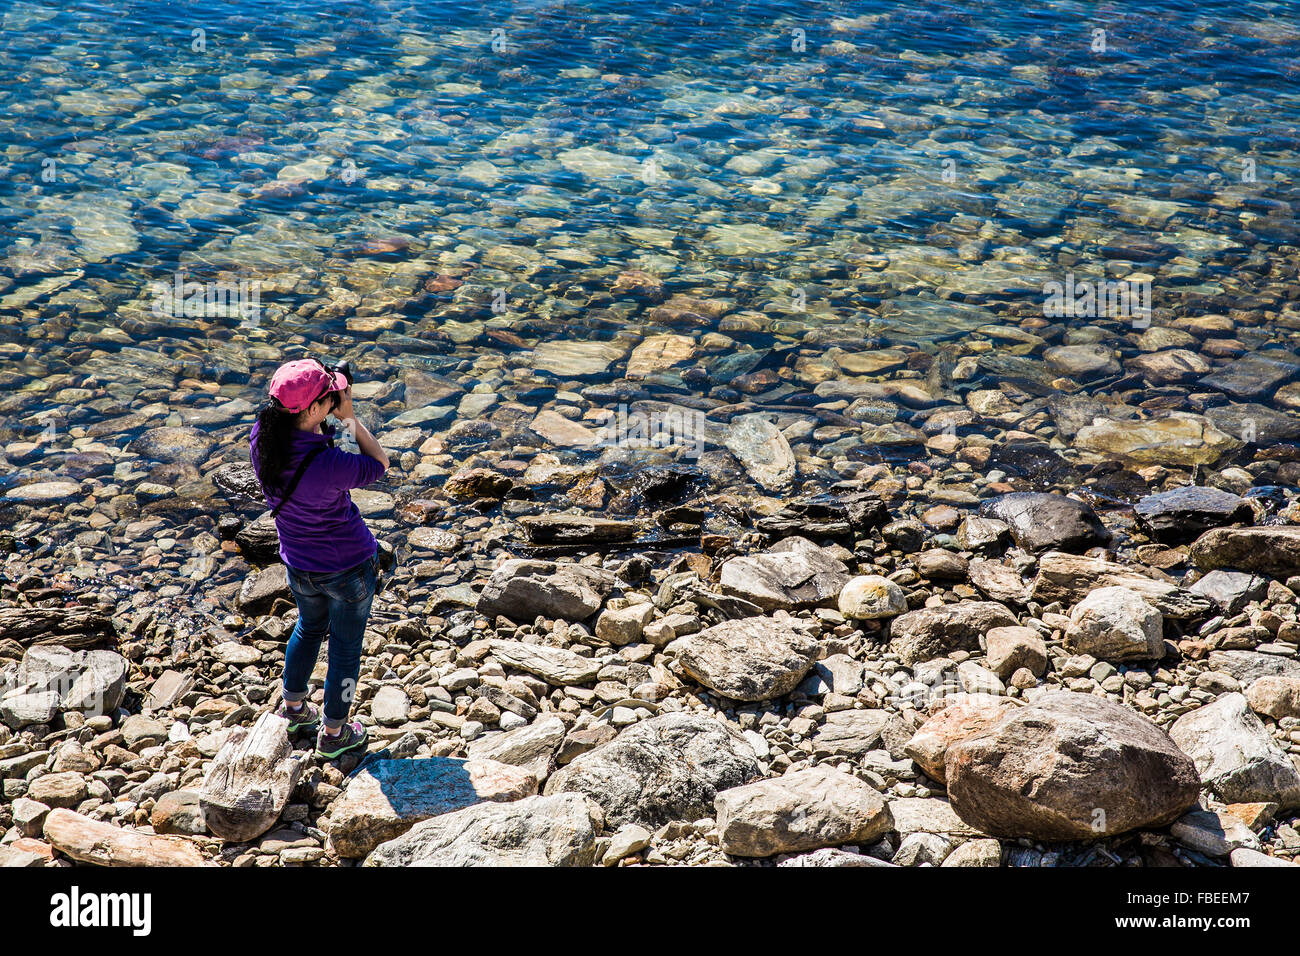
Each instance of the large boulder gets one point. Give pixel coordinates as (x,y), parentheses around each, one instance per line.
(803,810)
(931,632)
(1045,522)
(1010,648)
(1248,666)
(669,767)
(755,658)
(522,589)
(555,830)
(1272,550)
(1180,515)
(92,682)
(1116,624)
(954,718)
(1231,590)
(1276,697)
(19,710)
(794,573)
(388,797)
(1069,767)
(1236,756)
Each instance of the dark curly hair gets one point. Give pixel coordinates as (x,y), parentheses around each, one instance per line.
(274,427)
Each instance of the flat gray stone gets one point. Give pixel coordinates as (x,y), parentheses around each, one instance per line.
(558,830)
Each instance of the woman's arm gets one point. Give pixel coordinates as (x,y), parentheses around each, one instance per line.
(365,441)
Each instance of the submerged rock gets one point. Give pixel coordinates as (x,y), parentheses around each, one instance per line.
(763,450)
(1180,438)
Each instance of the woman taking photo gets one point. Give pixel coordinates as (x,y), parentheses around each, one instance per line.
(329,553)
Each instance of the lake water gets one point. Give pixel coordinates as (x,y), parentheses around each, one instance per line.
(935,251)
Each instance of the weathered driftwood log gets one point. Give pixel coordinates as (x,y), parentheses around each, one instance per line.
(250,780)
(90,841)
(1069,578)
(77,628)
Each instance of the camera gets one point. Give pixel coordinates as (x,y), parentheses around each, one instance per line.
(343,367)
(336,398)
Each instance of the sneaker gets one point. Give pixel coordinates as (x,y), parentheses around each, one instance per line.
(304,716)
(349,737)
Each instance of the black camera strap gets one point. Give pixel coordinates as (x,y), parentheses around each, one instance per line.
(307,459)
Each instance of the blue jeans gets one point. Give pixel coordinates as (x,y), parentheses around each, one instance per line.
(334,605)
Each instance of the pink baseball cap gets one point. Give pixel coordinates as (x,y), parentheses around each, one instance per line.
(298,383)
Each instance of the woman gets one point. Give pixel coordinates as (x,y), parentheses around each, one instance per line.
(330,554)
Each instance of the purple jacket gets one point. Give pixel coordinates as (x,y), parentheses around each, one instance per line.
(320,528)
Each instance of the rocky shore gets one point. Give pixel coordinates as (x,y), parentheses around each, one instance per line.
(856,676)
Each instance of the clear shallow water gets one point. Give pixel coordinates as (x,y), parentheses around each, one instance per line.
(457,188)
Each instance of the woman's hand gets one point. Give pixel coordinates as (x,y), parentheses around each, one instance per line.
(344,411)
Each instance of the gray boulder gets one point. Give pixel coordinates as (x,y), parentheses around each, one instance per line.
(1236,756)
(1272,550)
(850,733)
(1116,624)
(755,658)
(1181,515)
(1045,522)
(555,665)
(803,810)
(555,830)
(533,747)
(522,589)
(669,767)
(1249,666)
(931,632)
(24,710)
(793,574)
(92,682)
(388,797)
(261,589)
(1231,590)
